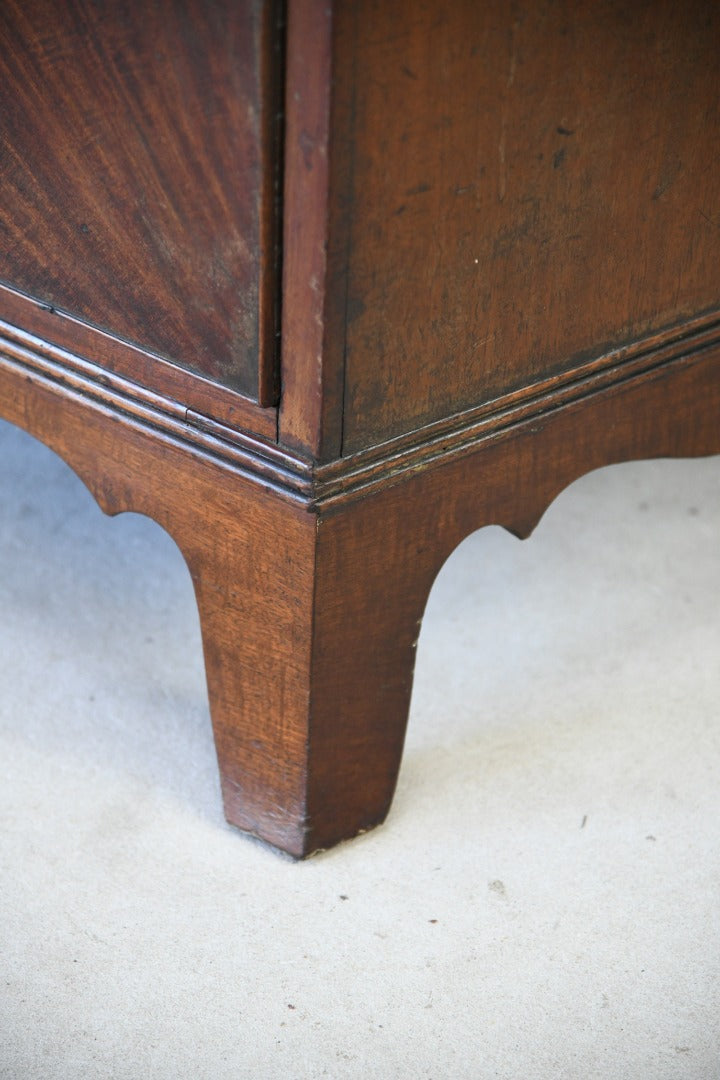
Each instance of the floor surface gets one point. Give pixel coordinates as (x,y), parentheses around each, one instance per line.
(543,901)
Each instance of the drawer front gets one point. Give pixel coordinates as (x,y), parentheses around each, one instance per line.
(137,174)
(532,184)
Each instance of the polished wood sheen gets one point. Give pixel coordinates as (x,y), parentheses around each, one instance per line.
(485,237)
(138,174)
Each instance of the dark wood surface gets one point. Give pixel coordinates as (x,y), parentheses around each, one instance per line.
(532,184)
(310,608)
(314,254)
(145,371)
(138,174)
(500,247)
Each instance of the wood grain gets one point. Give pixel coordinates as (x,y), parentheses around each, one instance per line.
(310,614)
(147,371)
(138,184)
(379,555)
(315,233)
(500,250)
(533,184)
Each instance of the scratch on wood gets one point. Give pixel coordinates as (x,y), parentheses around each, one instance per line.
(502,144)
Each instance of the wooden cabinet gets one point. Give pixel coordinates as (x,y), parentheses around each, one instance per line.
(322,288)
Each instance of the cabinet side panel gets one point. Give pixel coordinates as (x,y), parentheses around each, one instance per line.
(533,185)
(134,171)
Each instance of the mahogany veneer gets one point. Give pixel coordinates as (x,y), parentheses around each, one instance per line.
(323,288)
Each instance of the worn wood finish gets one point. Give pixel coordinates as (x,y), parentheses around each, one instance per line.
(499,271)
(313,298)
(141,368)
(310,638)
(532,184)
(380,552)
(357,591)
(254,595)
(139,172)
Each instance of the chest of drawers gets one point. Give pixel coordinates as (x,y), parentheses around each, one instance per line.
(324,287)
